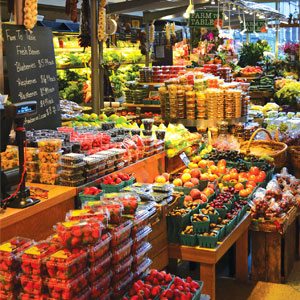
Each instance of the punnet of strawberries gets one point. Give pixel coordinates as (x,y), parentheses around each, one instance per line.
(115,179)
(10,253)
(32,258)
(92,191)
(79,233)
(164,286)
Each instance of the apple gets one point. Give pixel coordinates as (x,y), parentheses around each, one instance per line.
(187,199)
(177,182)
(160,179)
(188,184)
(195,181)
(186,177)
(204,176)
(195,193)
(195,173)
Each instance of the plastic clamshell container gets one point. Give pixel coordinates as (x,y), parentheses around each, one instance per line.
(120,252)
(92,178)
(48,178)
(100,287)
(110,155)
(50,168)
(141,237)
(122,268)
(72,176)
(64,264)
(120,233)
(83,295)
(49,157)
(32,284)
(72,159)
(32,258)
(100,267)
(97,251)
(141,252)
(67,289)
(142,268)
(32,177)
(49,145)
(10,253)
(82,214)
(118,152)
(73,183)
(129,201)
(119,288)
(31,154)
(91,162)
(106,295)
(26,296)
(9,282)
(115,209)
(32,166)
(141,220)
(100,157)
(73,168)
(79,233)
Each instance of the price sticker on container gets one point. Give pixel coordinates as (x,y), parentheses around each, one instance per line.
(184,158)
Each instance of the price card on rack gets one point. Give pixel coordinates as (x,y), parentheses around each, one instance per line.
(184,158)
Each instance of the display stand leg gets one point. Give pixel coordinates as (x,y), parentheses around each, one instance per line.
(172,266)
(208,276)
(241,258)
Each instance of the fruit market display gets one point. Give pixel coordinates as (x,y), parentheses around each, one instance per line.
(273,202)
(178,139)
(162,285)
(250,71)
(9,159)
(91,254)
(187,95)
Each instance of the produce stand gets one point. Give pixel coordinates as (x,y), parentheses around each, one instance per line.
(36,222)
(274,246)
(208,258)
(140,170)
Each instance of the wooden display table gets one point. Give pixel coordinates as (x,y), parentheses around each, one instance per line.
(274,248)
(208,258)
(37,221)
(144,170)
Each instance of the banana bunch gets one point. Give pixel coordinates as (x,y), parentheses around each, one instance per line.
(102,21)
(173,29)
(152,33)
(168,32)
(30,13)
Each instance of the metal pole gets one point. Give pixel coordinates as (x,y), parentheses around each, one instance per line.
(95,57)
(1,57)
(147,29)
(101,77)
(277,7)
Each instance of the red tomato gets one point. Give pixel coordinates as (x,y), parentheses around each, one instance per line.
(254,171)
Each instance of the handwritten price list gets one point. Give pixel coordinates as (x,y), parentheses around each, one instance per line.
(32,73)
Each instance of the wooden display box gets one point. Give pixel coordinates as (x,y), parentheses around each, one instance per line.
(274,252)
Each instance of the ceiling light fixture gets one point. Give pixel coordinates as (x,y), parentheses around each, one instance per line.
(233,7)
(212,2)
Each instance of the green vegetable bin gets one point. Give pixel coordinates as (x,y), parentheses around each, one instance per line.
(85,198)
(109,188)
(222,211)
(175,225)
(208,241)
(188,239)
(200,227)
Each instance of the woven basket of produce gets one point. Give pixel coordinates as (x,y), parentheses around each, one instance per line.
(294,158)
(276,150)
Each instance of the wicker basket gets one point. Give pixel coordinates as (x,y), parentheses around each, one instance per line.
(294,159)
(256,147)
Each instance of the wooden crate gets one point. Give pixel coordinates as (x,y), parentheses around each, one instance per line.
(274,252)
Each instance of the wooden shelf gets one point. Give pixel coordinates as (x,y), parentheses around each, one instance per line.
(141,105)
(151,83)
(283,25)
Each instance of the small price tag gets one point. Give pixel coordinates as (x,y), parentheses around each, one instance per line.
(184,158)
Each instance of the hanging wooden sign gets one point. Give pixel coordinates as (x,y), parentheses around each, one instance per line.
(204,18)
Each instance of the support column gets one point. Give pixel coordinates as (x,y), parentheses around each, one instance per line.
(95,57)
(147,30)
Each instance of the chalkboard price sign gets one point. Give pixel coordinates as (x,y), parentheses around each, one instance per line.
(32,73)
